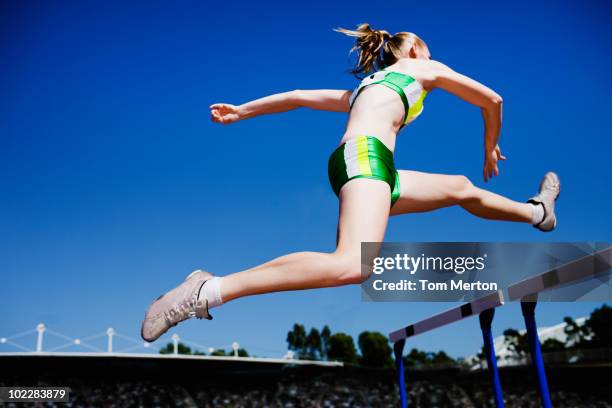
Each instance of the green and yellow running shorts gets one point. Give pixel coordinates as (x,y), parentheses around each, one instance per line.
(363,157)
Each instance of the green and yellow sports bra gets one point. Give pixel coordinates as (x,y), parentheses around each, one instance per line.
(408,88)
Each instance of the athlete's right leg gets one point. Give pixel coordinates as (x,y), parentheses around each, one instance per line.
(421,192)
(364,211)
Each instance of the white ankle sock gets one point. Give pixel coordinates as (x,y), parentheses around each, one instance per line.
(211,291)
(538,214)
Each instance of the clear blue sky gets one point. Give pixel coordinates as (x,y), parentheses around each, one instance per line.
(115,184)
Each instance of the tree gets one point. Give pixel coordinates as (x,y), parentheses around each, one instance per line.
(229,353)
(325,335)
(375,350)
(416,358)
(296,339)
(169,349)
(342,348)
(599,325)
(576,334)
(482,357)
(442,359)
(313,345)
(518,343)
(552,345)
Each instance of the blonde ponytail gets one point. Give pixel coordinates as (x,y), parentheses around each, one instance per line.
(368,45)
(377,49)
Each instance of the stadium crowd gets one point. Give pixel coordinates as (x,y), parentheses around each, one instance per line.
(322,391)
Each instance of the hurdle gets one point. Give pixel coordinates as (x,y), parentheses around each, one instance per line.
(591,266)
(483,306)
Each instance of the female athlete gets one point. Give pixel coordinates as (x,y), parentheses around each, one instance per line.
(398,73)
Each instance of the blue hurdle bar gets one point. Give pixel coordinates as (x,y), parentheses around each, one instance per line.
(528,308)
(486,320)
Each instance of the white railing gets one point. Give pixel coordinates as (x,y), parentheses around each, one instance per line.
(111,334)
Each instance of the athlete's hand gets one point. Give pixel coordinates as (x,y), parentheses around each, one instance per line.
(492,156)
(224,113)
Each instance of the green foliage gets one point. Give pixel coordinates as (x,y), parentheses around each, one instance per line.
(577,335)
(313,345)
(517,342)
(308,347)
(296,339)
(442,359)
(427,359)
(552,345)
(169,349)
(375,350)
(596,332)
(181,348)
(229,353)
(482,355)
(417,358)
(342,348)
(325,335)
(599,327)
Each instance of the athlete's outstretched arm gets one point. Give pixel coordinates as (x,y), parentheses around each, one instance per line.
(321,99)
(489,102)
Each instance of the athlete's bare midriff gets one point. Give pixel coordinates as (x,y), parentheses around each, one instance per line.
(378,111)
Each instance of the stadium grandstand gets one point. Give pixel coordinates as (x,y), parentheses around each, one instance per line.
(130,377)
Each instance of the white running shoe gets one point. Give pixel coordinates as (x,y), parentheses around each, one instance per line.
(181,303)
(550,187)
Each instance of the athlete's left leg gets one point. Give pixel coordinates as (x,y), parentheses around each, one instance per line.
(363,214)
(364,211)
(421,192)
